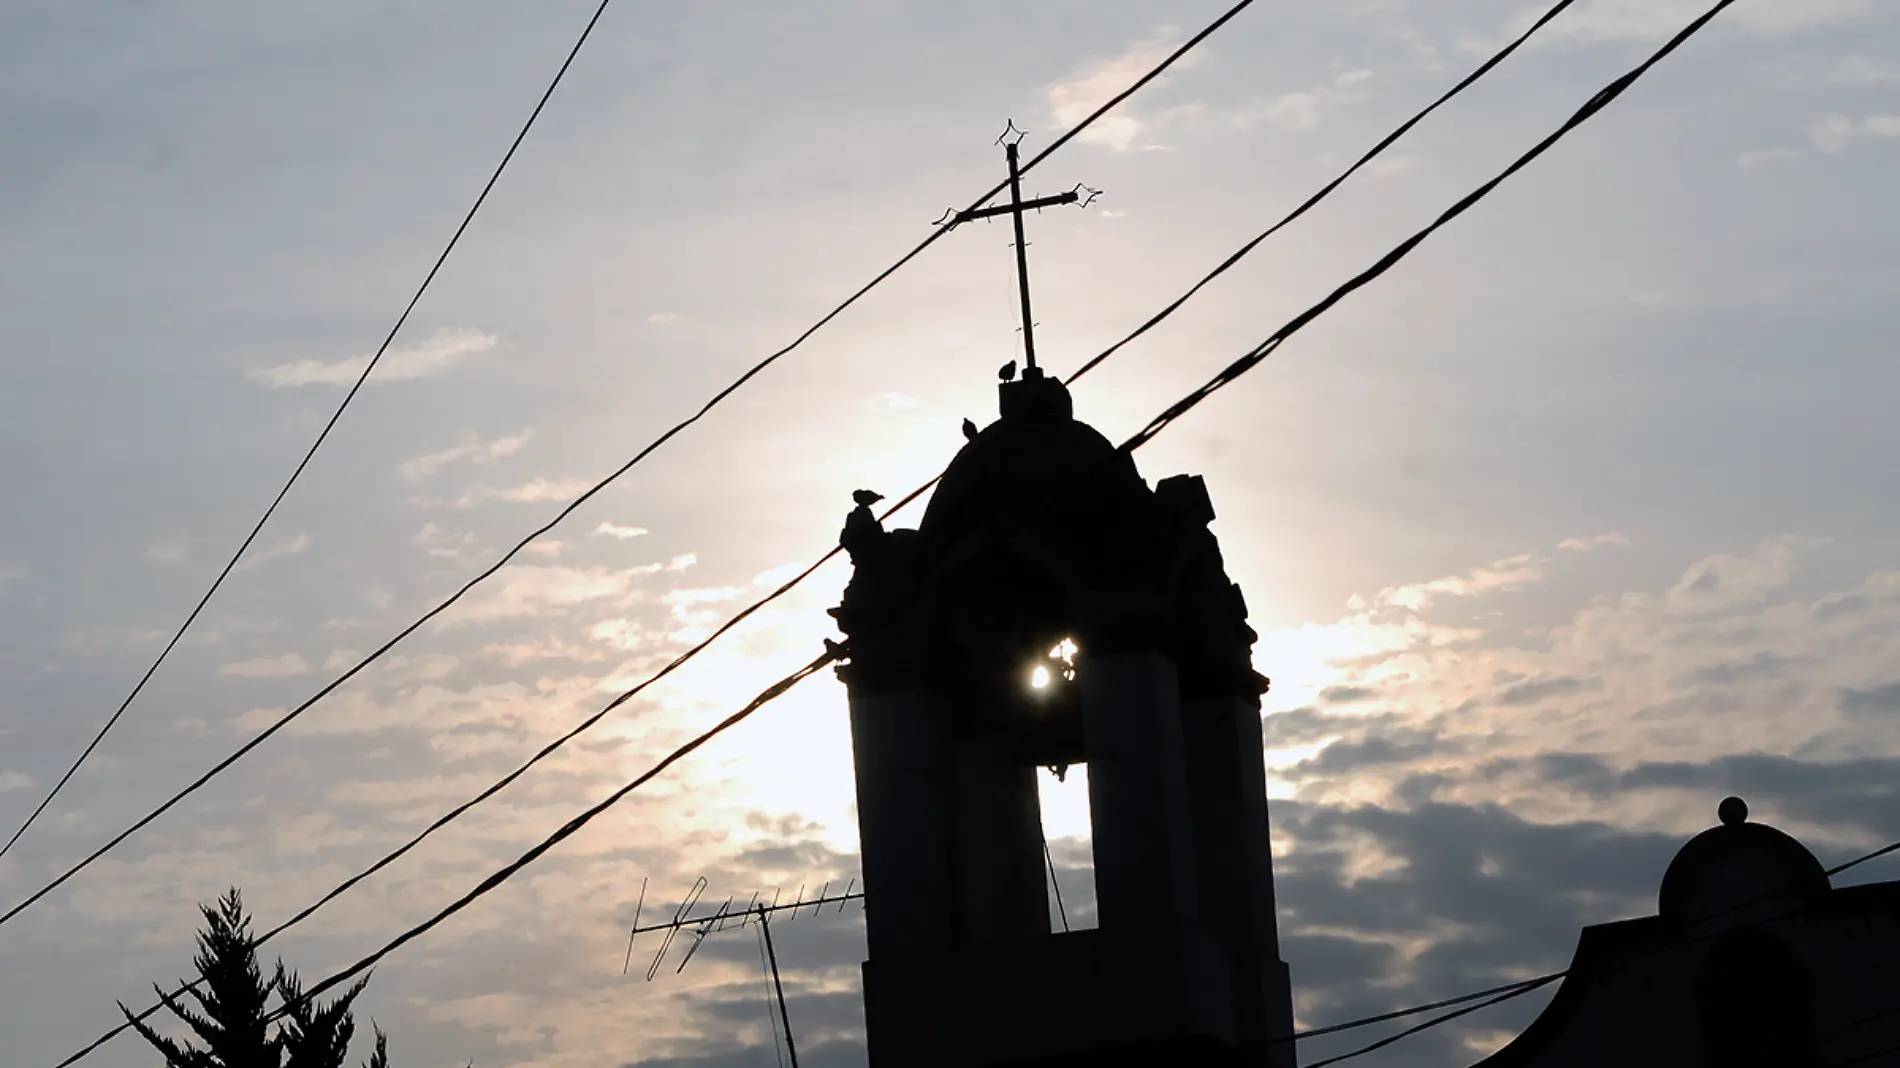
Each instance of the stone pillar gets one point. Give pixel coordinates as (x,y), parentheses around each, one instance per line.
(1166,986)
(1227,803)
(902,745)
(996,839)
(1144,865)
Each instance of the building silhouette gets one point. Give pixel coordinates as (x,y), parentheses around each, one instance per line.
(1753,960)
(1051,609)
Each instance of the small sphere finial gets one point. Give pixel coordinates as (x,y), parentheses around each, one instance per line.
(1732,811)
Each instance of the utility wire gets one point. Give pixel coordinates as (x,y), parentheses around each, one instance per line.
(1521,990)
(569,829)
(1327,190)
(785,588)
(1147,434)
(1510,990)
(321,436)
(935,235)
(1061,910)
(1391,259)
(1523,986)
(390,858)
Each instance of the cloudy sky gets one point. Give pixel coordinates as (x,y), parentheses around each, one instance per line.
(1580,520)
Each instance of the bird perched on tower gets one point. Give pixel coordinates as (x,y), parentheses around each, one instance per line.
(1008,372)
(862,531)
(969,430)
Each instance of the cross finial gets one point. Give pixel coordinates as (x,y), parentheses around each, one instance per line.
(1016,207)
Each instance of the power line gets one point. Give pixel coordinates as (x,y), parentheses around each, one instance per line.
(1147,434)
(1522,986)
(1435,1021)
(1062,910)
(1327,190)
(567,830)
(1511,990)
(571,507)
(786,587)
(322,435)
(1154,427)
(390,858)
(1246,363)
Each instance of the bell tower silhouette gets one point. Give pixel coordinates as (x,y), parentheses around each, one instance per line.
(1051,609)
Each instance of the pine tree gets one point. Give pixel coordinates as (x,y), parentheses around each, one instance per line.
(232,1020)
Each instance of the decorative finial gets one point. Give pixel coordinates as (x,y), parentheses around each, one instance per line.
(1733,811)
(969,430)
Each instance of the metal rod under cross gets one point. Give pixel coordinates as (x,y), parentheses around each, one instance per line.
(1016,207)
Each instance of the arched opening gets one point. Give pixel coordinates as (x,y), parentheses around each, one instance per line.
(1755,1000)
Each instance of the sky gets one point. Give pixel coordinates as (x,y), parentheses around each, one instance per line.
(1580,520)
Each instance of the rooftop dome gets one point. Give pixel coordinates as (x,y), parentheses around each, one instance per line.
(1734,865)
(1024,467)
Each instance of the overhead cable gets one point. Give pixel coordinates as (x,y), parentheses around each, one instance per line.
(322,435)
(597,487)
(1173,413)
(1227,377)
(888,512)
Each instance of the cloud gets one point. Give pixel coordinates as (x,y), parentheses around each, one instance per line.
(470,448)
(1442,843)
(291,546)
(1836,133)
(1347,695)
(534,491)
(14,780)
(615,530)
(517,654)
(1725,579)
(532,590)
(1754,161)
(1395,165)
(1302,110)
(1513,573)
(1860,72)
(442,350)
(774,577)
(1595,541)
(1538,691)
(663,318)
(1876,701)
(1603,20)
(437,542)
(896,402)
(1077,96)
(289,665)
(687,604)
(169,552)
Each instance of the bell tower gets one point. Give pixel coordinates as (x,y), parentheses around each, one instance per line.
(1051,609)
